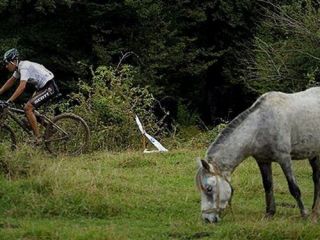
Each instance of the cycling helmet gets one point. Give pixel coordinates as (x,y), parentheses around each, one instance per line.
(10,55)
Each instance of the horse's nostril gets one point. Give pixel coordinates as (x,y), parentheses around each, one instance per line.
(211,219)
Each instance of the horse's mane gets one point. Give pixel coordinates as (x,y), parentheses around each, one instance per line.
(229,129)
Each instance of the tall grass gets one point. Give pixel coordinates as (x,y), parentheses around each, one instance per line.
(138,196)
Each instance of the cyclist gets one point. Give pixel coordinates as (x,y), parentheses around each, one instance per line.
(35,74)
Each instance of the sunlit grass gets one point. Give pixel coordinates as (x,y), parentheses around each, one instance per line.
(139,196)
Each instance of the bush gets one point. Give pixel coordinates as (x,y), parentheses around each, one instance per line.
(286,49)
(109,105)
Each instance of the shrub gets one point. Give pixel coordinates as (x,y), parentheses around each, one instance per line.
(286,52)
(109,104)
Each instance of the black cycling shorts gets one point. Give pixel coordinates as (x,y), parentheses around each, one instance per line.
(44,94)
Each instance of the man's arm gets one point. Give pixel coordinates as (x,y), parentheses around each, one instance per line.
(20,89)
(7,85)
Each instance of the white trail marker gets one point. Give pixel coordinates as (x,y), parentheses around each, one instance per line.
(156,143)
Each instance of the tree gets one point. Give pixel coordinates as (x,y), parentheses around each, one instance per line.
(189,50)
(286,53)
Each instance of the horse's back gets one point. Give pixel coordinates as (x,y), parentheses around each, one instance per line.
(293,107)
(293,102)
(291,122)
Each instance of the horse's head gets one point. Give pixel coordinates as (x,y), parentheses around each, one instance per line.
(216,192)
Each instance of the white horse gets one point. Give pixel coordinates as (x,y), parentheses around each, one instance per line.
(278,127)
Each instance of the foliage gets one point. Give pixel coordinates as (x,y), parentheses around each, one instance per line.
(109,105)
(185,49)
(286,54)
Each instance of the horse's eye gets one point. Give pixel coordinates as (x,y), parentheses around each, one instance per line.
(209,189)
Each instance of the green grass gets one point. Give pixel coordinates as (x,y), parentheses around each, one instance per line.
(133,195)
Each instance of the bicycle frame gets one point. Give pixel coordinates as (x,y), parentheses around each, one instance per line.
(12,111)
(66,133)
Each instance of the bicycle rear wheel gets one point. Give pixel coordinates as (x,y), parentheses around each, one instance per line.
(68,134)
(7,138)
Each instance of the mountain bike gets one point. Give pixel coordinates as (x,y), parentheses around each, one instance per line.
(66,133)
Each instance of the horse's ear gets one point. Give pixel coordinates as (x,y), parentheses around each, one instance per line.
(206,165)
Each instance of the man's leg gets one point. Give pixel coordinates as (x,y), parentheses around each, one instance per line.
(36,101)
(28,109)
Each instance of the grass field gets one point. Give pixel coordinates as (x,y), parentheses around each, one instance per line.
(138,196)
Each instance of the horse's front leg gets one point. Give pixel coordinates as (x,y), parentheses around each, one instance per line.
(285,163)
(266,173)
(315,164)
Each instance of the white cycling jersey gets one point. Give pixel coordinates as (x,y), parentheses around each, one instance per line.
(33,73)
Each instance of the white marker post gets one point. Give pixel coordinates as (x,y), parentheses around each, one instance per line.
(156,143)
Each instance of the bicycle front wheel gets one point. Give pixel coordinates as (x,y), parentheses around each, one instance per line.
(68,134)
(7,138)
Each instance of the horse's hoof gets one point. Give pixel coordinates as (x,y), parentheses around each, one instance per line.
(304,214)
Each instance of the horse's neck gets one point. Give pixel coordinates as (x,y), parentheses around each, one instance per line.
(229,153)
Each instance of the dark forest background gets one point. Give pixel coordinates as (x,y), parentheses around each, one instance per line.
(211,58)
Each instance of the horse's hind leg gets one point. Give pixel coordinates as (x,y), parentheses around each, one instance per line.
(315,164)
(285,164)
(266,173)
